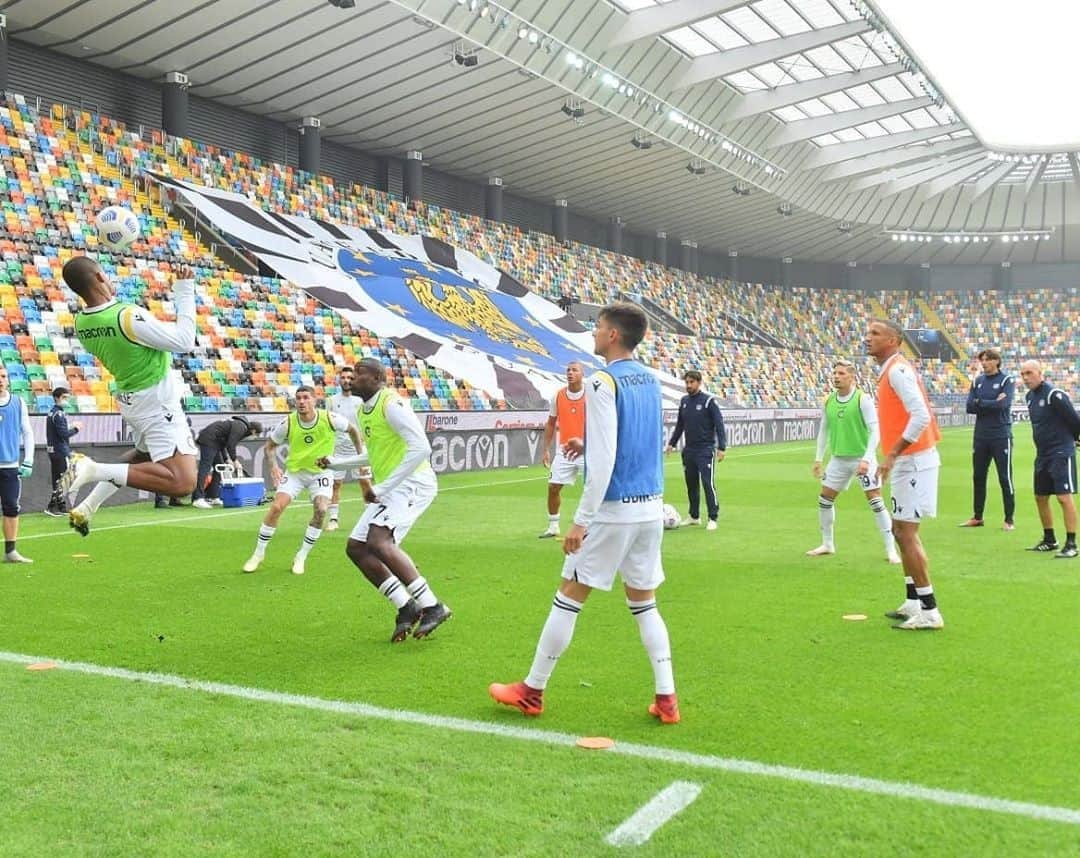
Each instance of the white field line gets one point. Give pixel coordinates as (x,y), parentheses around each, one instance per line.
(689,759)
(655,812)
(195,519)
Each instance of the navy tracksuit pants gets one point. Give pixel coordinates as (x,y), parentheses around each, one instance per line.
(698,465)
(998,451)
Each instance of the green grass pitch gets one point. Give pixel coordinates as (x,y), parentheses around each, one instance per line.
(767,671)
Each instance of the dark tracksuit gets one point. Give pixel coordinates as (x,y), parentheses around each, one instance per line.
(703,424)
(217,444)
(57,440)
(1055,428)
(993,437)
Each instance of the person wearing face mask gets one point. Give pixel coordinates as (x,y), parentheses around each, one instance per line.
(58,435)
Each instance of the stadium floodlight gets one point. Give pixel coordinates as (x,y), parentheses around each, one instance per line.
(343,4)
(466,55)
(641,140)
(844,226)
(784,209)
(696,167)
(741,189)
(573,108)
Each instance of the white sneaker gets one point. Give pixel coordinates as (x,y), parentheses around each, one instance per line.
(906,611)
(79,472)
(298,565)
(922,621)
(690,522)
(894,558)
(711,525)
(16,557)
(821,550)
(217,502)
(253,563)
(202,503)
(332,524)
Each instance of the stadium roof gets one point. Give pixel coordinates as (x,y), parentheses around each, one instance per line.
(813,106)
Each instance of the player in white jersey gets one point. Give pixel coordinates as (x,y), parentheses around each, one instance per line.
(344,404)
(310,434)
(849,433)
(135,347)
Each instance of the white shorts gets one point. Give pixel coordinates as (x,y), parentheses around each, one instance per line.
(400,509)
(632,550)
(914,490)
(564,471)
(319,484)
(351,475)
(841,471)
(157,422)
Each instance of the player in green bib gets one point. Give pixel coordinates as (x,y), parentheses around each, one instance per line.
(137,349)
(311,435)
(403,486)
(849,431)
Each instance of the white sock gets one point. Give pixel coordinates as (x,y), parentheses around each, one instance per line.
(395,592)
(420,591)
(266,533)
(334,511)
(554,639)
(884,523)
(311,536)
(115,474)
(553,522)
(98,495)
(654,635)
(827,517)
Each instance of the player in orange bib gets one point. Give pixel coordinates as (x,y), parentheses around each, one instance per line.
(567,414)
(909,435)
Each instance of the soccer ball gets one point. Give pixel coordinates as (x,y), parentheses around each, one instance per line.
(117,227)
(671,517)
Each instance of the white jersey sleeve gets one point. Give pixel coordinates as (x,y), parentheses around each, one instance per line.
(822,438)
(601,436)
(869,414)
(142,327)
(280,433)
(906,386)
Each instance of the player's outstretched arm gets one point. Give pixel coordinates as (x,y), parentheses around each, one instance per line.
(142,327)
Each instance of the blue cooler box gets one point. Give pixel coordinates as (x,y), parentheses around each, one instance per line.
(243,491)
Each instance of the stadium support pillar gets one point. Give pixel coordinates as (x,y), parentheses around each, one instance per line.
(660,248)
(3,54)
(560,221)
(785,272)
(413,178)
(310,144)
(1003,279)
(614,235)
(733,265)
(382,174)
(174,104)
(493,199)
(686,260)
(695,260)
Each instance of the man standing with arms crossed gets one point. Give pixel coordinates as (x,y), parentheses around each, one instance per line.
(849,431)
(567,415)
(701,420)
(621,512)
(990,400)
(1055,428)
(909,434)
(135,347)
(16,463)
(345,404)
